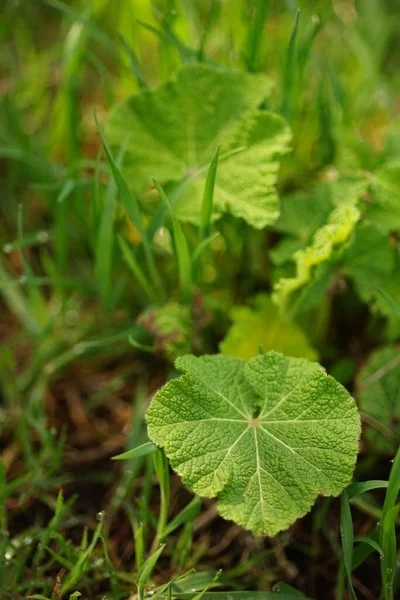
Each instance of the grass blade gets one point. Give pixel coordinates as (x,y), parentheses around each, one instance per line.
(143,450)
(208,197)
(189,513)
(136,69)
(371,542)
(162,471)
(355,489)
(255,33)
(388,529)
(288,74)
(145,571)
(137,271)
(346,532)
(181,248)
(132,208)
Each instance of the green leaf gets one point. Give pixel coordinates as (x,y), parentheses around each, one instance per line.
(143,450)
(303,213)
(171,325)
(384,211)
(379,398)
(146,570)
(347,535)
(387,536)
(263,327)
(180,124)
(336,232)
(265,437)
(319,224)
(369,261)
(208,196)
(181,247)
(389,301)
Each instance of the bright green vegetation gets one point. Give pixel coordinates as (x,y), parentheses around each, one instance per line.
(265,436)
(199,198)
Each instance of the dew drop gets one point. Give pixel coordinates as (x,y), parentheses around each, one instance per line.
(389,586)
(389,570)
(100,515)
(7,248)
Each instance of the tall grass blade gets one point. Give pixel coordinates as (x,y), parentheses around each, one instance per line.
(181,248)
(289,71)
(208,197)
(388,530)
(136,269)
(132,208)
(211,18)
(255,33)
(135,66)
(146,570)
(347,535)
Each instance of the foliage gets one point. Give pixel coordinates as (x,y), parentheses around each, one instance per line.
(181,123)
(379,393)
(266,436)
(263,328)
(122,251)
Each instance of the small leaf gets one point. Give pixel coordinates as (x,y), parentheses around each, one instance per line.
(379,390)
(264,327)
(265,437)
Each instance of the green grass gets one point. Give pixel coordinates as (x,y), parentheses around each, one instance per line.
(92,264)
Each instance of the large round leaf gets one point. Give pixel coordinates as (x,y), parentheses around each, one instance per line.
(170,132)
(265,437)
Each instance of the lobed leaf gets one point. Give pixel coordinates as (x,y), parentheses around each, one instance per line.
(336,232)
(264,437)
(182,122)
(262,327)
